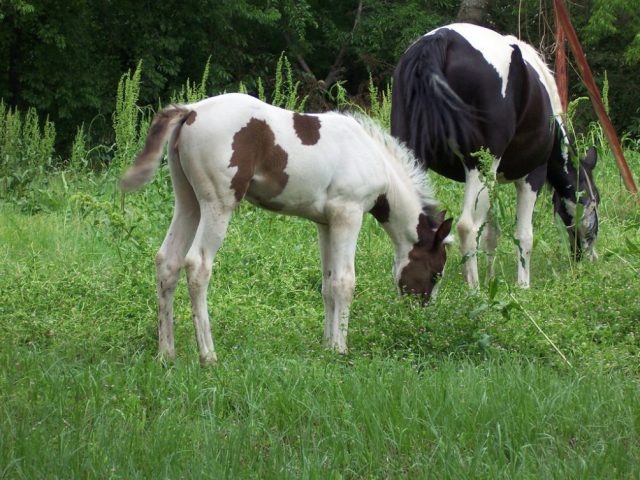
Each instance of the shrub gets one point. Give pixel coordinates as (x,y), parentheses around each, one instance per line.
(26,150)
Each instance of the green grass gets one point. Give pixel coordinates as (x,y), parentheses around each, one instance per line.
(456,390)
(264,416)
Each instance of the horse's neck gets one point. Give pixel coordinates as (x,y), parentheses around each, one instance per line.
(561,173)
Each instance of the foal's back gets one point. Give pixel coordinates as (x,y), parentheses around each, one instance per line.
(280,160)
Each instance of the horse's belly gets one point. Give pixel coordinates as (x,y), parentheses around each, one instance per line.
(448,168)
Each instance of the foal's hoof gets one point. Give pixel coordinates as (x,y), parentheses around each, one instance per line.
(208,360)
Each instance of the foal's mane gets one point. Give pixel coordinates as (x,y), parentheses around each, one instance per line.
(402,156)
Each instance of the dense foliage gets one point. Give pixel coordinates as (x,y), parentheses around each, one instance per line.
(64,57)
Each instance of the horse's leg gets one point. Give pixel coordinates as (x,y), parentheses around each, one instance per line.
(329,304)
(490,234)
(214,219)
(474,214)
(170,257)
(527,192)
(339,278)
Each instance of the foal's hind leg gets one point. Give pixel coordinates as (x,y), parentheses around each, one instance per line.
(214,219)
(170,257)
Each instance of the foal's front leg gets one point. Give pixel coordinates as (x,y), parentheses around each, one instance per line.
(337,249)
(329,304)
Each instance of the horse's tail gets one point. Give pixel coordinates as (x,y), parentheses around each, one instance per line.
(147,162)
(426,113)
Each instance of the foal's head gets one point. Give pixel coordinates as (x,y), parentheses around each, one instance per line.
(427,257)
(582,231)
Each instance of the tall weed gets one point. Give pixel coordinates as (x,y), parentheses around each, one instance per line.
(379,102)
(285,90)
(130,123)
(78,160)
(193,92)
(26,150)
(380,108)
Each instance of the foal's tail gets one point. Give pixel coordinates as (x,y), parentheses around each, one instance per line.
(426,113)
(145,166)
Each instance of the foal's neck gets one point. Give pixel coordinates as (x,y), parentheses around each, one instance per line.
(405,206)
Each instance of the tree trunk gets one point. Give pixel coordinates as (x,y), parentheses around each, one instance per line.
(473,11)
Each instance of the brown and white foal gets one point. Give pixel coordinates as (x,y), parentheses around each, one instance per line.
(329,168)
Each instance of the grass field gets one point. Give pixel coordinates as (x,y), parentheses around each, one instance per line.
(469,387)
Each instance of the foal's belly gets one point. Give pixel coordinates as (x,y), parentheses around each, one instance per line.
(307,204)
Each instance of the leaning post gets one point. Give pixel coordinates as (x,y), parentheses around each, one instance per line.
(561,65)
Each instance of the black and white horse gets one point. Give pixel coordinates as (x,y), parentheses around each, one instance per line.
(329,168)
(461,88)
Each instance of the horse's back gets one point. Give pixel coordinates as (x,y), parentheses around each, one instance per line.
(504,89)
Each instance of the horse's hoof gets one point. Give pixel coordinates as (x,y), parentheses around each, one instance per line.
(336,347)
(166,358)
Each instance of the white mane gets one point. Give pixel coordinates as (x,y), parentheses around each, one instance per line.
(402,155)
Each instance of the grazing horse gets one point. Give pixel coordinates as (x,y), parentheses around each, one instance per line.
(461,88)
(329,168)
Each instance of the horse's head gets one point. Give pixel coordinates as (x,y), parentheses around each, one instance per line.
(583,231)
(419,276)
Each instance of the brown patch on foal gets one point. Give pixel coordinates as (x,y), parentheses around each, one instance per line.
(191,117)
(427,257)
(255,152)
(307,128)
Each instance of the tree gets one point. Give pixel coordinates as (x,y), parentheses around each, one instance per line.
(473,11)
(65,57)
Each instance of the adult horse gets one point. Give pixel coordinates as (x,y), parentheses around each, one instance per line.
(329,168)
(461,88)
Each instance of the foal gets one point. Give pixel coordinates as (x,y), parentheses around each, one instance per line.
(329,168)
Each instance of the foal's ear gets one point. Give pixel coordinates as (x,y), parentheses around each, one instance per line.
(443,232)
(591,159)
